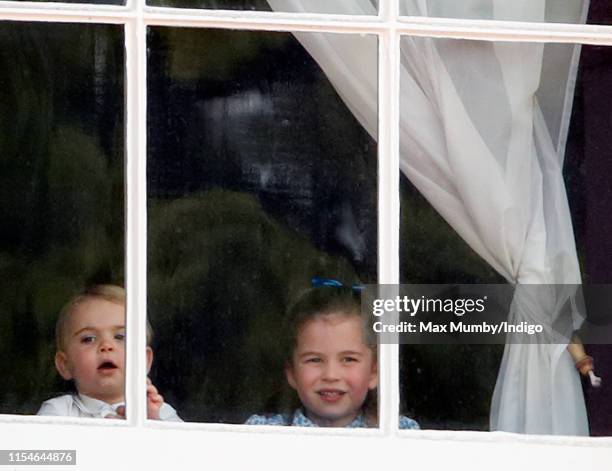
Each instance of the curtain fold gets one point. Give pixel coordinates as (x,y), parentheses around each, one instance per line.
(482,131)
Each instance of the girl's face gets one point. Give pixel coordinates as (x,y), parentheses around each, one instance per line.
(332,370)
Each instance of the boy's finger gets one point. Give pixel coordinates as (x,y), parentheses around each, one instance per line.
(155,397)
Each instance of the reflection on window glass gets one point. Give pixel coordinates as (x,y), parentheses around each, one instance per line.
(443,386)
(363,7)
(588,177)
(258,178)
(568,11)
(483,184)
(100,2)
(61,193)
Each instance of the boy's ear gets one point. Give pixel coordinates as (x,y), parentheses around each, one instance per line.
(61,365)
(373,383)
(149,358)
(290,376)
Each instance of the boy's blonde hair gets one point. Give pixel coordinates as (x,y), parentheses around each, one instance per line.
(112,293)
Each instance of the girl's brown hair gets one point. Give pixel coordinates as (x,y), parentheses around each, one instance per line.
(319,302)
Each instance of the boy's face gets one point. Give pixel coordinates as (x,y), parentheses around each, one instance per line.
(94,350)
(332,370)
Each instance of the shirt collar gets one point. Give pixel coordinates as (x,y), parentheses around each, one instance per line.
(96,407)
(300,420)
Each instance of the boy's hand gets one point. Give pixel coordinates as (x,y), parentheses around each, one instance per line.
(120,412)
(154,401)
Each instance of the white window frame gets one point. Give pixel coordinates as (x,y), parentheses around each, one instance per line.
(138,442)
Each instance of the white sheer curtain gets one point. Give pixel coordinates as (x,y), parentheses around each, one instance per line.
(483,128)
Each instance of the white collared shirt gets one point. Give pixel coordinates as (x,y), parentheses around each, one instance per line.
(79,405)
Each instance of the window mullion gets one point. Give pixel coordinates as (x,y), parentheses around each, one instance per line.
(388,205)
(136,191)
(498,30)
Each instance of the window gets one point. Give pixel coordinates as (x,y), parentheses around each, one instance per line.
(168,167)
(253,162)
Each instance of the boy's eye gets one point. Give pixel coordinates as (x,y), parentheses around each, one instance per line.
(349,359)
(120,336)
(88,339)
(313,360)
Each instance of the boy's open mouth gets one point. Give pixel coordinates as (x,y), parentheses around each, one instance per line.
(107,366)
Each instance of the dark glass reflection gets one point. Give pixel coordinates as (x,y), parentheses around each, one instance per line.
(443,386)
(259,5)
(327,6)
(101,2)
(258,178)
(61,189)
(588,177)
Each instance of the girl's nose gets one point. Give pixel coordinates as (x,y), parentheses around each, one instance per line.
(331,371)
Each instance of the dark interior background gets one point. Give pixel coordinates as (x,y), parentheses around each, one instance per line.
(61,189)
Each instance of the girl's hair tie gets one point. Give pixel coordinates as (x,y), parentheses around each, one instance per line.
(329,282)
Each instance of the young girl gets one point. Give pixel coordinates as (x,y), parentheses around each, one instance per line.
(331,363)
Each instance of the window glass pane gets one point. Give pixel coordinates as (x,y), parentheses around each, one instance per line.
(259,178)
(361,7)
(61,197)
(442,386)
(567,11)
(497,139)
(102,2)
(588,177)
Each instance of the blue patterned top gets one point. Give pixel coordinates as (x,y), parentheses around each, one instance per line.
(300,420)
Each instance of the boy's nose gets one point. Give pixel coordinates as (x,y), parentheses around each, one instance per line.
(106,346)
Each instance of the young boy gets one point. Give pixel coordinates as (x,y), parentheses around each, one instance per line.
(90,338)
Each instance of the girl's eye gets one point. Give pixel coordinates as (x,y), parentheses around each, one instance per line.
(349,359)
(88,339)
(120,336)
